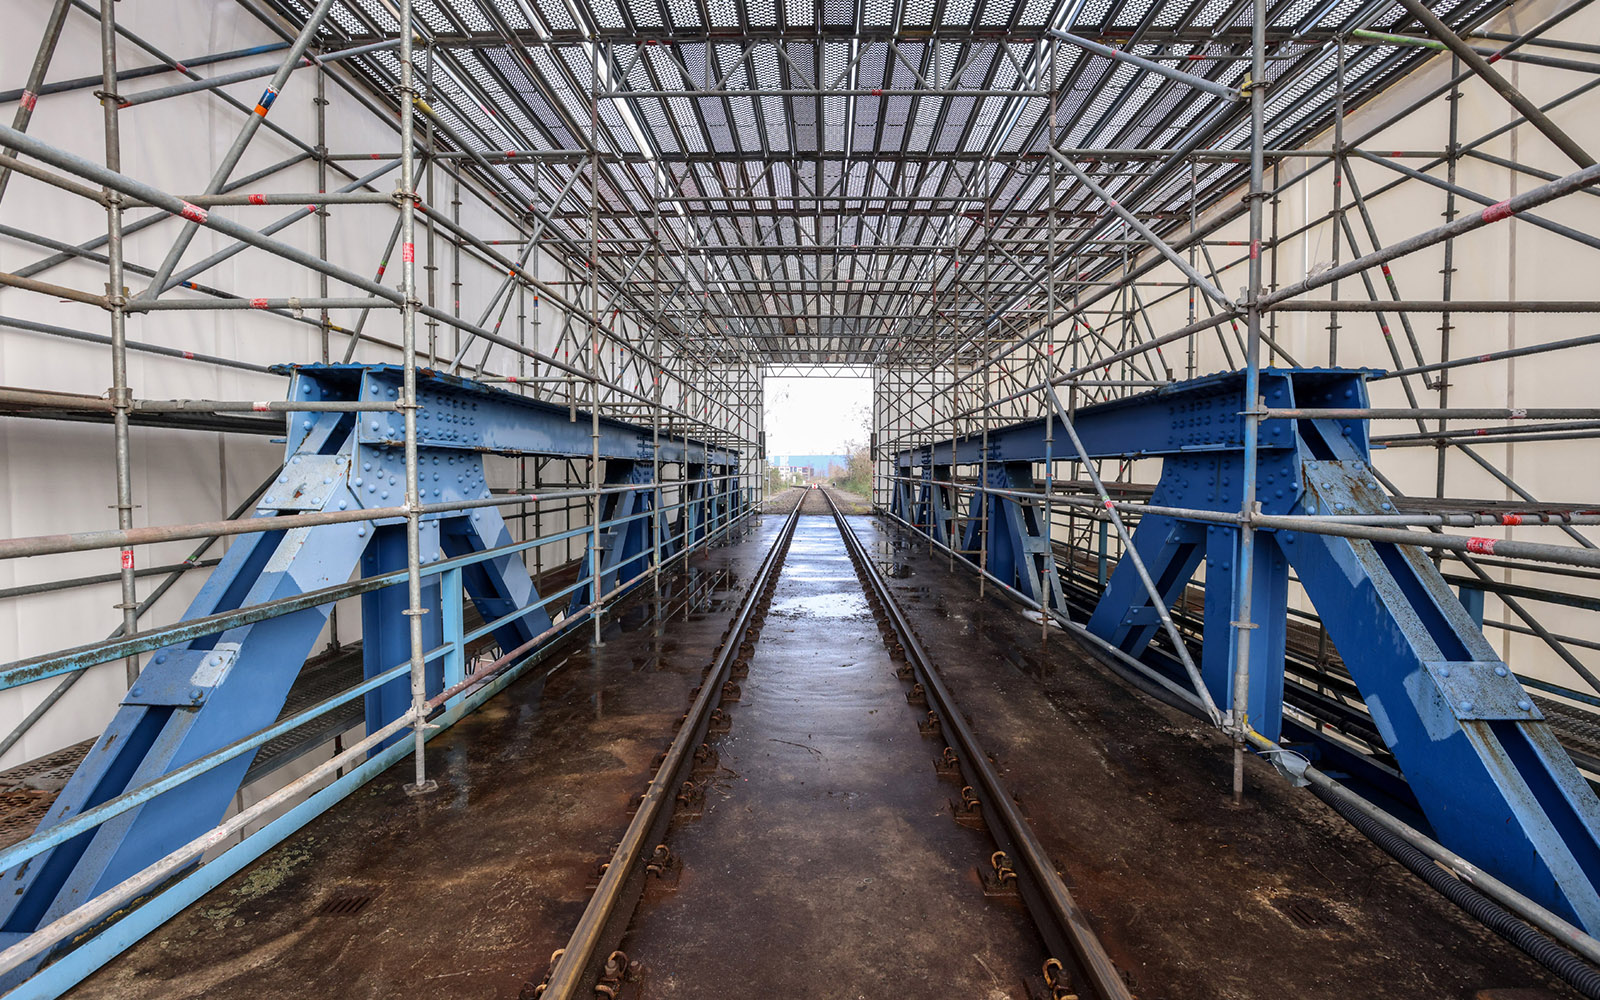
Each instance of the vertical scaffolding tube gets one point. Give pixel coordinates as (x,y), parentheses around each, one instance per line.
(321,103)
(121,397)
(1049,348)
(592,361)
(30,90)
(408,397)
(656,387)
(1243,625)
(1442,379)
(1337,215)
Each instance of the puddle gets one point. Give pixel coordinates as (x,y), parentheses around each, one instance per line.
(823,606)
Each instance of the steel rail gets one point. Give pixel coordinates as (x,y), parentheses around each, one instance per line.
(1060,920)
(574,969)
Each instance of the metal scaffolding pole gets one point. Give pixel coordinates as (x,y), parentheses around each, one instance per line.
(29,97)
(116,299)
(1244,567)
(723,271)
(409,304)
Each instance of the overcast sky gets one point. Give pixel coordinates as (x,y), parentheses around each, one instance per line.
(816,416)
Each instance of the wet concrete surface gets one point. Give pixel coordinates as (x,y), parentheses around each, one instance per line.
(466,892)
(1193,898)
(827,863)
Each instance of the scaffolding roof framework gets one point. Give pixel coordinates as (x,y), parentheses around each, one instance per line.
(830,169)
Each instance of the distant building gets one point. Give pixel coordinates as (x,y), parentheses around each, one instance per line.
(797,469)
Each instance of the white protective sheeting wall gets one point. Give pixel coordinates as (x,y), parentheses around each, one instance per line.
(58,476)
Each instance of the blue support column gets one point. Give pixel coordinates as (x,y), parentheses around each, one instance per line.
(385,634)
(692,518)
(903,503)
(452,598)
(942,505)
(1269,605)
(1171,550)
(625,550)
(498,585)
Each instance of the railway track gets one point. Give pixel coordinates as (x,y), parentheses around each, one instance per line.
(1015,865)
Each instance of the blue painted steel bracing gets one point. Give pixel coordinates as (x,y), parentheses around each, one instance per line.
(1480,761)
(197,697)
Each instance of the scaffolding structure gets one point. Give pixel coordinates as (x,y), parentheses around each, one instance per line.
(1005,210)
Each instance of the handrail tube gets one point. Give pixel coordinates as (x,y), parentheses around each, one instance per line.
(49,664)
(35,844)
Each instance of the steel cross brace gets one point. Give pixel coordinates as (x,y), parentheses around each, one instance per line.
(625,546)
(1484,768)
(197,697)
(1017,552)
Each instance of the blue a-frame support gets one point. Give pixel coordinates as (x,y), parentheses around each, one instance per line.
(197,697)
(1480,761)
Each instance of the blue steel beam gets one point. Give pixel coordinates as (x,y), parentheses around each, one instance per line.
(200,695)
(458,413)
(1477,755)
(1195,416)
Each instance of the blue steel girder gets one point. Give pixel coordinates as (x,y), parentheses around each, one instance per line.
(197,697)
(903,501)
(1007,535)
(929,503)
(1484,767)
(628,524)
(938,514)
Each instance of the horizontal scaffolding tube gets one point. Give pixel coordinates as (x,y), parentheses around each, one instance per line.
(69,401)
(1439,306)
(132,345)
(1349,526)
(239,76)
